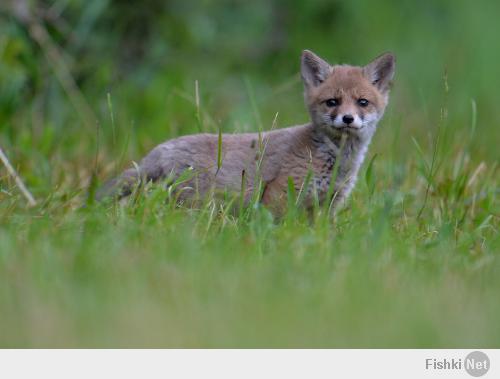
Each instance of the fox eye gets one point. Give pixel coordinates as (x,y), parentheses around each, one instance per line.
(331,103)
(363,102)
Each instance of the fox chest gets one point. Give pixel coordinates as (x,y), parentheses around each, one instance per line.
(323,175)
(331,168)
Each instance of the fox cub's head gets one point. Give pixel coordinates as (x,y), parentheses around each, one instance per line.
(347,99)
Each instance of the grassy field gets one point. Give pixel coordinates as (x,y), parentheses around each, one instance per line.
(412,262)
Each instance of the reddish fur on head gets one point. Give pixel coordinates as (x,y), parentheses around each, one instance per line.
(342,93)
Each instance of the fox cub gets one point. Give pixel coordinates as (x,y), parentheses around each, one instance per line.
(345,104)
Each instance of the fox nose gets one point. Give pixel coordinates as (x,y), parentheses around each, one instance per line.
(347,119)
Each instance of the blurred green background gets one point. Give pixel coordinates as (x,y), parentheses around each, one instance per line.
(147,56)
(86,86)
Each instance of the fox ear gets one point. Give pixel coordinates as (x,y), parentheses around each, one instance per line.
(313,70)
(381,71)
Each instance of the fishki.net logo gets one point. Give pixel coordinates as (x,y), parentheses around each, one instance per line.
(475,364)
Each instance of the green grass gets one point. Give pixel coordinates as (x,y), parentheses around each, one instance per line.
(413,261)
(153,274)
